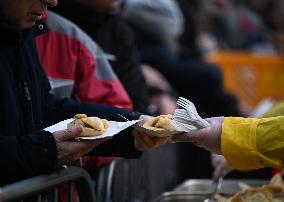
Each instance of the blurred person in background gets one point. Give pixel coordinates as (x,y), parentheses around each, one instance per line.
(162,95)
(274,19)
(237,25)
(100,21)
(191,77)
(157,25)
(205,81)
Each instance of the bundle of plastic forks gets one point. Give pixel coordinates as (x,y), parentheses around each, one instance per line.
(187,117)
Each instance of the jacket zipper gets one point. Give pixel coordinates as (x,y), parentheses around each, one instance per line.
(27,91)
(29,100)
(26,88)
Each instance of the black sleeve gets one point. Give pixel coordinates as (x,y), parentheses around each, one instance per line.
(60,109)
(26,156)
(121,145)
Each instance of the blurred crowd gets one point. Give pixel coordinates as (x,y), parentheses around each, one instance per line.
(141,55)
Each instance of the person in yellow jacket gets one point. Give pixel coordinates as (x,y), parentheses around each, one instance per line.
(246,143)
(220,164)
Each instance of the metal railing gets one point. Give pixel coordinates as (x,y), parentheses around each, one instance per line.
(36,186)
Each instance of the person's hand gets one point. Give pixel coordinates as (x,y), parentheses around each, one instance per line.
(221,166)
(143,141)
(144,118)
(208,138)
(69,149)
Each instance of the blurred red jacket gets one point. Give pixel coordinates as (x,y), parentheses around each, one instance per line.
(76,65)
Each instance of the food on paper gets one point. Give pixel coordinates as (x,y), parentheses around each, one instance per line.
(160,123)
(92,126)
(253,194)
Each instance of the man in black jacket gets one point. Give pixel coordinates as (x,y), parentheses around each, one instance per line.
(27,106)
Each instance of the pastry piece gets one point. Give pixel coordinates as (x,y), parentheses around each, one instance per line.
(160,123)
(92,126)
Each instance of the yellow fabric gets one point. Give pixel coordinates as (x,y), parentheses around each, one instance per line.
(251,143)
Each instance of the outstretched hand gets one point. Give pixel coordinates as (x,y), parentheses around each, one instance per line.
(69,149)
(209,138)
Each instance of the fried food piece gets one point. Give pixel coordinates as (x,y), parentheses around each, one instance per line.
(256,194)
(160,123)
(92,126)
(80,116)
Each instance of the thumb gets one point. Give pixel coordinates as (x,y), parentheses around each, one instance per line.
(69,133)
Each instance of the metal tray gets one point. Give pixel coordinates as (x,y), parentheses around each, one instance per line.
(207,187)
(198,190)
(180,197)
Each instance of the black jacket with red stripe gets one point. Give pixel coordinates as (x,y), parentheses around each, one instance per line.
(27,107)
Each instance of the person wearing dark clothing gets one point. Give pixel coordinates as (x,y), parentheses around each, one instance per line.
(27,106)
(117,42)
(192,77)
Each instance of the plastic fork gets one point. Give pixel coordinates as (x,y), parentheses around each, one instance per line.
(182,126)
(190,109)
(186,104)
(185,114)
(182,118)
(182,114)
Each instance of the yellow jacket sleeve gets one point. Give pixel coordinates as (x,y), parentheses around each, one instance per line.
(252,143)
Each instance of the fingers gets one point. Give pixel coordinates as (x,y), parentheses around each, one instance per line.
(161,140)
(221,166)
(144,142)
(69,133)
(83,145)
(71,150)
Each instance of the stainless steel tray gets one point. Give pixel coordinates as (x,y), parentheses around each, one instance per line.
(198,190)
(206,187)
(180,197)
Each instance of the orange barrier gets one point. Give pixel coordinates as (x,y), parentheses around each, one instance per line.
(251,77)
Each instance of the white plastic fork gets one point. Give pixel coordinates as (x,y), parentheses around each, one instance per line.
(180,115)
(182,126)
(185,103)
(190,109)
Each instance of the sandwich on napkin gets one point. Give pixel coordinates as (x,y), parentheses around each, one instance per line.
(92,126)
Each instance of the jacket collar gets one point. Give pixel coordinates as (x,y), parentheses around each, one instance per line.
(10,35)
